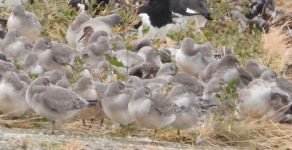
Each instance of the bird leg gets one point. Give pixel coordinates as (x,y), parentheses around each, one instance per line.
(178,133)
(122,127)
(101,122)
(53,127)
(83,123)
(153,138)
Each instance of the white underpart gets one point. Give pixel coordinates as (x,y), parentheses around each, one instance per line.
(181,22)
(86,73)
(12,103)
(201,20)
(153,31)
(257,103)
(192,65)
(190,11)
(254,8)
(31,31)
(38,69)
(81,7)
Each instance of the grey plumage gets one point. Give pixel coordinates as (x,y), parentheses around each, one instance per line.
(192,114)
(117,41)
(12,93)
(96,51)
(115,104)
(55,57)
(206,76)
(144,70)
(42,44)
(152,111)
(3,33)
(260,99)
(167,71)
(55,76)
(74,28)
(228,69)
(227,62)
(64,83)
(25,22)
(128,58)
(269,76)
(165,56)
(94,37)
(16,45)
(102,23)
(150,55)
(53,102)
(100,88)
(254,69)
(191,84)
(285,85)
(138,44)
(133,82)
(236,15)
(5,66)
(85,90)
(3,57)
(213,88)
(24,77)
(163,77)
(190,59)
(32,65)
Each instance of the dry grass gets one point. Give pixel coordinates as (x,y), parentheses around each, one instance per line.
(284,5)
(278,52)
(248,135)
(73,146)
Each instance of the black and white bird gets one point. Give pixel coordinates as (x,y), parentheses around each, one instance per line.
(262,8)
(155,15)
(81,5)
(185,10)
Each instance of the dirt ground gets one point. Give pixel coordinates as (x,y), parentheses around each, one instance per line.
(39,139)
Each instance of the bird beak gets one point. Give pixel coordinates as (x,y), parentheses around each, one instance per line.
(82,37)
(85,56)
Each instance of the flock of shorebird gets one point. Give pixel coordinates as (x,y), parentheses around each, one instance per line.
(196,79)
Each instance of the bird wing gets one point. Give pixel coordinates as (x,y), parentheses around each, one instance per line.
(27,43)
(33,19)
(200,6)
(5,66)
(192,84)
(61,100)
(162,105)
(285,85)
